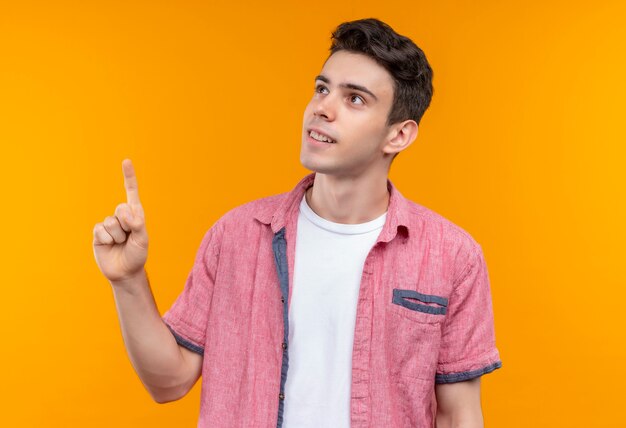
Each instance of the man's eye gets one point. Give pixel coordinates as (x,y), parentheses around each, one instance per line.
(320,88)
(357,99)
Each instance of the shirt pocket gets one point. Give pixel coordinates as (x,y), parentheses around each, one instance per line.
(413,333)
(420,302)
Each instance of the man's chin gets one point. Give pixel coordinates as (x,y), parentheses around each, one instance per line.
(314,164)
(319,169)
(311,168)
(307,162)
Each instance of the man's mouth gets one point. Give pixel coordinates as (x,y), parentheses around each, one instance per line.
(321,137)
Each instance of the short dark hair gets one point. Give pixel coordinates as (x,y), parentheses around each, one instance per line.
(403,59)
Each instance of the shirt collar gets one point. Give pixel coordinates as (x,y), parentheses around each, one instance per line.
(397,219)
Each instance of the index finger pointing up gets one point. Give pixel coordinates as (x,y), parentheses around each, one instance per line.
(130,183)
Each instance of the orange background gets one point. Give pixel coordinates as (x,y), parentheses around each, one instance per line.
(523,147)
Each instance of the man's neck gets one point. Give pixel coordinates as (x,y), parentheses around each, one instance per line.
(348,200)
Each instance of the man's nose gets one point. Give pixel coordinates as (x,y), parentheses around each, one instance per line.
(325,108)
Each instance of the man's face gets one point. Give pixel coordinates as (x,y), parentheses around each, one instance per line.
(352,99)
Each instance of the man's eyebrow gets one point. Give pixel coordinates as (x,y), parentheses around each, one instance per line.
(348,85)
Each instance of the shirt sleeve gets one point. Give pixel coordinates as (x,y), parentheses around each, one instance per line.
(188,316)
(468,347)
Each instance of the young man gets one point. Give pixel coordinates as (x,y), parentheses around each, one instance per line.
(338,304)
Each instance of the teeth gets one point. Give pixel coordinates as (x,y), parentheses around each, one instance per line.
(320,137)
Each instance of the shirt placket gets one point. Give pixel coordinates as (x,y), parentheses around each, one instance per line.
(279,247)
(361,371)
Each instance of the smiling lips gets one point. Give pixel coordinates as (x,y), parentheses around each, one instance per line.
(321,137)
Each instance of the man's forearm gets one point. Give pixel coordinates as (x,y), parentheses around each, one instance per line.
(458,405)
(151,347)
(467,420)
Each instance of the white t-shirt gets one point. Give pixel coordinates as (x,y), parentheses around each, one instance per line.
(327,273)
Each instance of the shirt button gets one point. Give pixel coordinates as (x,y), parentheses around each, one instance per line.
(282,299)
(284,345)
(281,396)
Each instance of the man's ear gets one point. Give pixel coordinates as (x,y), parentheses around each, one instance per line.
(401,136)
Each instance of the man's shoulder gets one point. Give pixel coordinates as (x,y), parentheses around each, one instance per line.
(432,224)
(261,208)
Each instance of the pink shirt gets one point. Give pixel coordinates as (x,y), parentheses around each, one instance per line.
(424,315)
